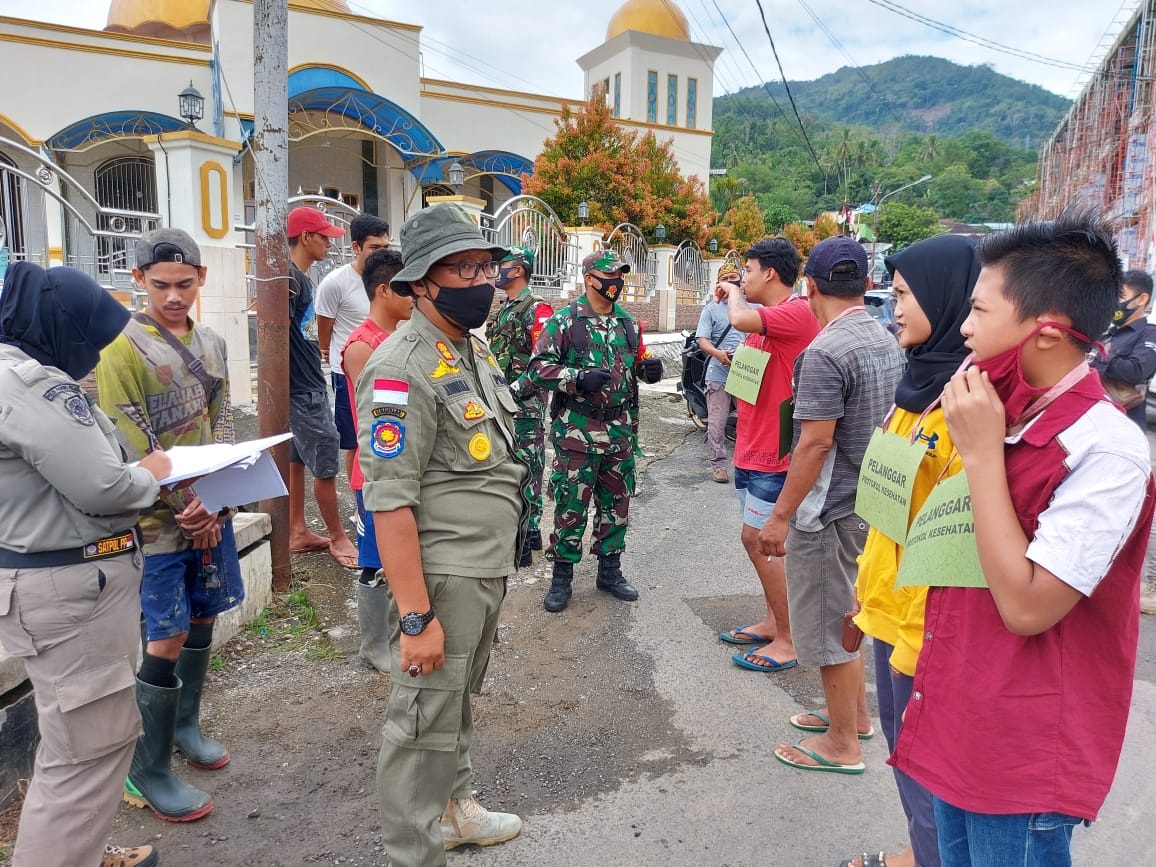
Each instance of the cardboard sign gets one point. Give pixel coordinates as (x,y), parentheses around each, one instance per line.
(745,375)
(941,550)
(886,479)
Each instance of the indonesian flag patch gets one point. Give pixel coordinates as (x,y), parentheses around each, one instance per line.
(392,391)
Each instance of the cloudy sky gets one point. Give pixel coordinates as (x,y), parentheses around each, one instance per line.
(531,44)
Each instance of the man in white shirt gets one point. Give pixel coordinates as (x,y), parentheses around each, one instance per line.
(341,305)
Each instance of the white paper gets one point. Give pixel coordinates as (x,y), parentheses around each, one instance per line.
(249,480)
(189,462)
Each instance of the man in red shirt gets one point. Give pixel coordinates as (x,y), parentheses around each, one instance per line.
(782,327)
(386,310)
(1022,690)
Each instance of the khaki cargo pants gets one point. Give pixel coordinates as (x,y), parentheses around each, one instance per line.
(425,750)
(77,629)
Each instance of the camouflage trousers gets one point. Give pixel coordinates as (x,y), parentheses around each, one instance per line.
(578,477)
(530,449)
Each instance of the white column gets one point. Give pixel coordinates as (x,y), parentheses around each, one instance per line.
(663,286)
(587,240)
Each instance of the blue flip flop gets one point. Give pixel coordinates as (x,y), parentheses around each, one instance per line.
(743,660)
(743,636)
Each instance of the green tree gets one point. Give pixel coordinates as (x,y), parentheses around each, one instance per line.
(902,224)
(775,216)
(624,177)
(746,221)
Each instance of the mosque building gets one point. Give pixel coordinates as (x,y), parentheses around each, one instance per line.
(96,143)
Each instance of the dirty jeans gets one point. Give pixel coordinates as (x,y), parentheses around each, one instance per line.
(77,629)
(718,408)
(425,748)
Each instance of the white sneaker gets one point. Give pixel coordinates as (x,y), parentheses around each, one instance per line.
(466,822)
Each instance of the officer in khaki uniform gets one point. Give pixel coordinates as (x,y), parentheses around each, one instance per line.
(437,452)
(70,562)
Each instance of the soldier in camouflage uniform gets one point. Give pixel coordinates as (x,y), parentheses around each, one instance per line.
(512,331)
(591,355)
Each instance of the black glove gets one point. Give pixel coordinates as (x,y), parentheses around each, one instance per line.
(590,381)
(650,369)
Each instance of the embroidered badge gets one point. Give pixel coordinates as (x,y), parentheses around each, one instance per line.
(444,350)
(479,350)
(388,438)
(443,369)
(456,386)
(379,411)
(473,412)
(479,446)
(500,380)
(395,391)
(75,401)
(493,362)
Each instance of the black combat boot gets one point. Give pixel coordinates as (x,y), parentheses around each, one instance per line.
(526,557)
(151,782)
(610,578)
(534,537)
(559,596)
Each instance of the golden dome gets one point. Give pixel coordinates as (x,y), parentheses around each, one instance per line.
(184,19)
(657,17)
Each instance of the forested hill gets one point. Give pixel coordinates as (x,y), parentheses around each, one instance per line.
(926,95)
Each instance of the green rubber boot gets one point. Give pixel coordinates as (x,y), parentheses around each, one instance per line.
(151,782)
(200,751)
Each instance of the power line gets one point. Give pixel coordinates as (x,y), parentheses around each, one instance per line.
(787,87)
(981,41)
(838,45)
(766,86)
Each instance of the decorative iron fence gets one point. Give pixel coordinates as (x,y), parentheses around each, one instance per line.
(627,241)
(47,215)
(340,249)
(689,275)
(527,221)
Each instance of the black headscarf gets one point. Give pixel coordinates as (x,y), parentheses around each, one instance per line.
(61,317)
(941,273)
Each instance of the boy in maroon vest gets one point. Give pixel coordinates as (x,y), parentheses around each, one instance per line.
(1022,690)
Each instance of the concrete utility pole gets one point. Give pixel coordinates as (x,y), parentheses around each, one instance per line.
(271,165)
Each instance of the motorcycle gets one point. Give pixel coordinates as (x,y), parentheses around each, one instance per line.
(692,386)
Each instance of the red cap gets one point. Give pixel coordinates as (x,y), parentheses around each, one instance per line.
(303,220)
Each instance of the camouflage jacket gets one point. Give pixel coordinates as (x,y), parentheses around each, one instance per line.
(512,332)
(607,419)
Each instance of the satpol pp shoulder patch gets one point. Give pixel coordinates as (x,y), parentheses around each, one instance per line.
(74,400)
(388,438)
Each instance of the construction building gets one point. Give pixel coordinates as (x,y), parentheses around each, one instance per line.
(1103,154)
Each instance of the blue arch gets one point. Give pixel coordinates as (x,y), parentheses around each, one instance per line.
(114,124)
(317,77)
(408,135)
(507,167)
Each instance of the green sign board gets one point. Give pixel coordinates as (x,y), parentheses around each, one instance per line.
(941,549)
(886,479)
(746,373)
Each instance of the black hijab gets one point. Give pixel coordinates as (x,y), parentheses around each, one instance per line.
(941,273)
(61,317)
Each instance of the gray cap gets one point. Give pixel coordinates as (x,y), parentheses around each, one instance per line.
(167,245)
(434,233)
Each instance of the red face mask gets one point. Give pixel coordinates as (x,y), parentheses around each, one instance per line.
(1005,371)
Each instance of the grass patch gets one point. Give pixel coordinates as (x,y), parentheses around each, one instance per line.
(291,625)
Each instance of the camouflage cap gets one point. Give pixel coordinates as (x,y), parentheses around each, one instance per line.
(520,254)
(606,261)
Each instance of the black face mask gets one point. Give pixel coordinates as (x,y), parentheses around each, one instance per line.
(467,306)
(1124,311)
(609,288)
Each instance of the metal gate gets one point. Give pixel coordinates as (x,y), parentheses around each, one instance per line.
(48,216)
(527,221)
(689,274)
(627,241)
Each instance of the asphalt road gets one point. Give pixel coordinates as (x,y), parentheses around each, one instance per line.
(735,804)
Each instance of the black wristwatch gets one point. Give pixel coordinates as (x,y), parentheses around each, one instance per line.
(415,623)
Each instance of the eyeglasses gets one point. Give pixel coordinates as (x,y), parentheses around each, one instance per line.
(470,270)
